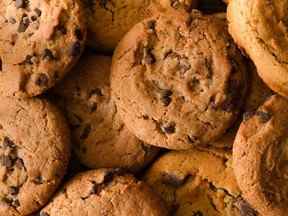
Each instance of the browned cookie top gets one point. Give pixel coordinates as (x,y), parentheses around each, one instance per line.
(198,183)
(39,42)
(178,80)
(260,157)
(105,192)
(100,137)
(34,152)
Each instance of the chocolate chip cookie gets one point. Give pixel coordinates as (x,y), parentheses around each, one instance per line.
(39,42)
(34,153)
(198,183)
(178,81)
(110,20)
(260,157)
(99,135)
(260,28)
(105,192)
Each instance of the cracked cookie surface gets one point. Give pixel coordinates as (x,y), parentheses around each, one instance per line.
(178,81)
(198,183)
(39,43)
(110,20)
(100,138)
(260,157)
(105,192)
(260,28)
(34,153)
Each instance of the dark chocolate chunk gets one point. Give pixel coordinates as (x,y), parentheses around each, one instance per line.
(20,4)
(13,190)
(192,139)
(168,128)
(75,49)
(47,54)
(244,208)
(24,23)
(151,24)
(15,203)
(6,161)
(28,59)
(8,143)
(198,213)
(166,97)
(93,107)
(171,179)
(42,80)
(34,18)
(38,180)
(78,34)
(86,131)
(19,163)
(61,29)
(149,58)
(38,12)
(96,91)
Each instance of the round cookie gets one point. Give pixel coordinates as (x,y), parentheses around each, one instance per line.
(260,157)
(198,183)
(39,43)
(178,81)
(100,138)
(34,153)
(105,192)
(260,28)
(110,20)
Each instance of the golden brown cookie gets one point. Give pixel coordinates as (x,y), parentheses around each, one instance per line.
(110,20)
(198,183)
(39,43)
(260,28)
(260,157)
(34,153)
(105,192)
(100,138)
(178,81)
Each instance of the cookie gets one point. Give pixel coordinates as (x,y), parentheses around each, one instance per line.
(100,138)
(110,20)
(257,92)
(105,192)
(198,183)
(34,153)
(260,28)
(39,43)
(178,81)
(260,157)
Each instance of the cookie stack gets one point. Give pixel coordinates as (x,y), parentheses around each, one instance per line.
(143,107)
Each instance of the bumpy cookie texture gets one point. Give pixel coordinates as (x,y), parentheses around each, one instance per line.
(105,192)
(39,42)
(34,153)
(198,183)
(178,80)
(260,157)
(100,138)
(260,28)
(257,92)
(110,20)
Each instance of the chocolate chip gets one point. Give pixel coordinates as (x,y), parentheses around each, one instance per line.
(78,34)
(86,131)
(198,213)
(93,107)
(168,128)
(192,139)
(15,203)
(75,49)
(244,208)
(7,200)
(166,97)
(74,120)
(34,18)
(42,80)
(61,29)
(96,188)
(19,163)
(12,20)
(264,116)
(149,58)
(24,23)
(247,115)
(173,180)
(151,24)
(38,12)
(28,59)
(6,161)
(13,190)
(8,143)
(96,91)
(47,54)
(145,117)
(0,64)
(20,4)
(38,180)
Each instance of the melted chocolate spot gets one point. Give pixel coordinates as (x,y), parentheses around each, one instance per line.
(47,54)
(13,190)
(62,29)
(168,128)
(24,23)
(38,180)
(149,58)
(192,139)
(96,91)
(42,80)
(173,180)
(86,131)
(166,97)
(38,12)
(151,24)
(8,143)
